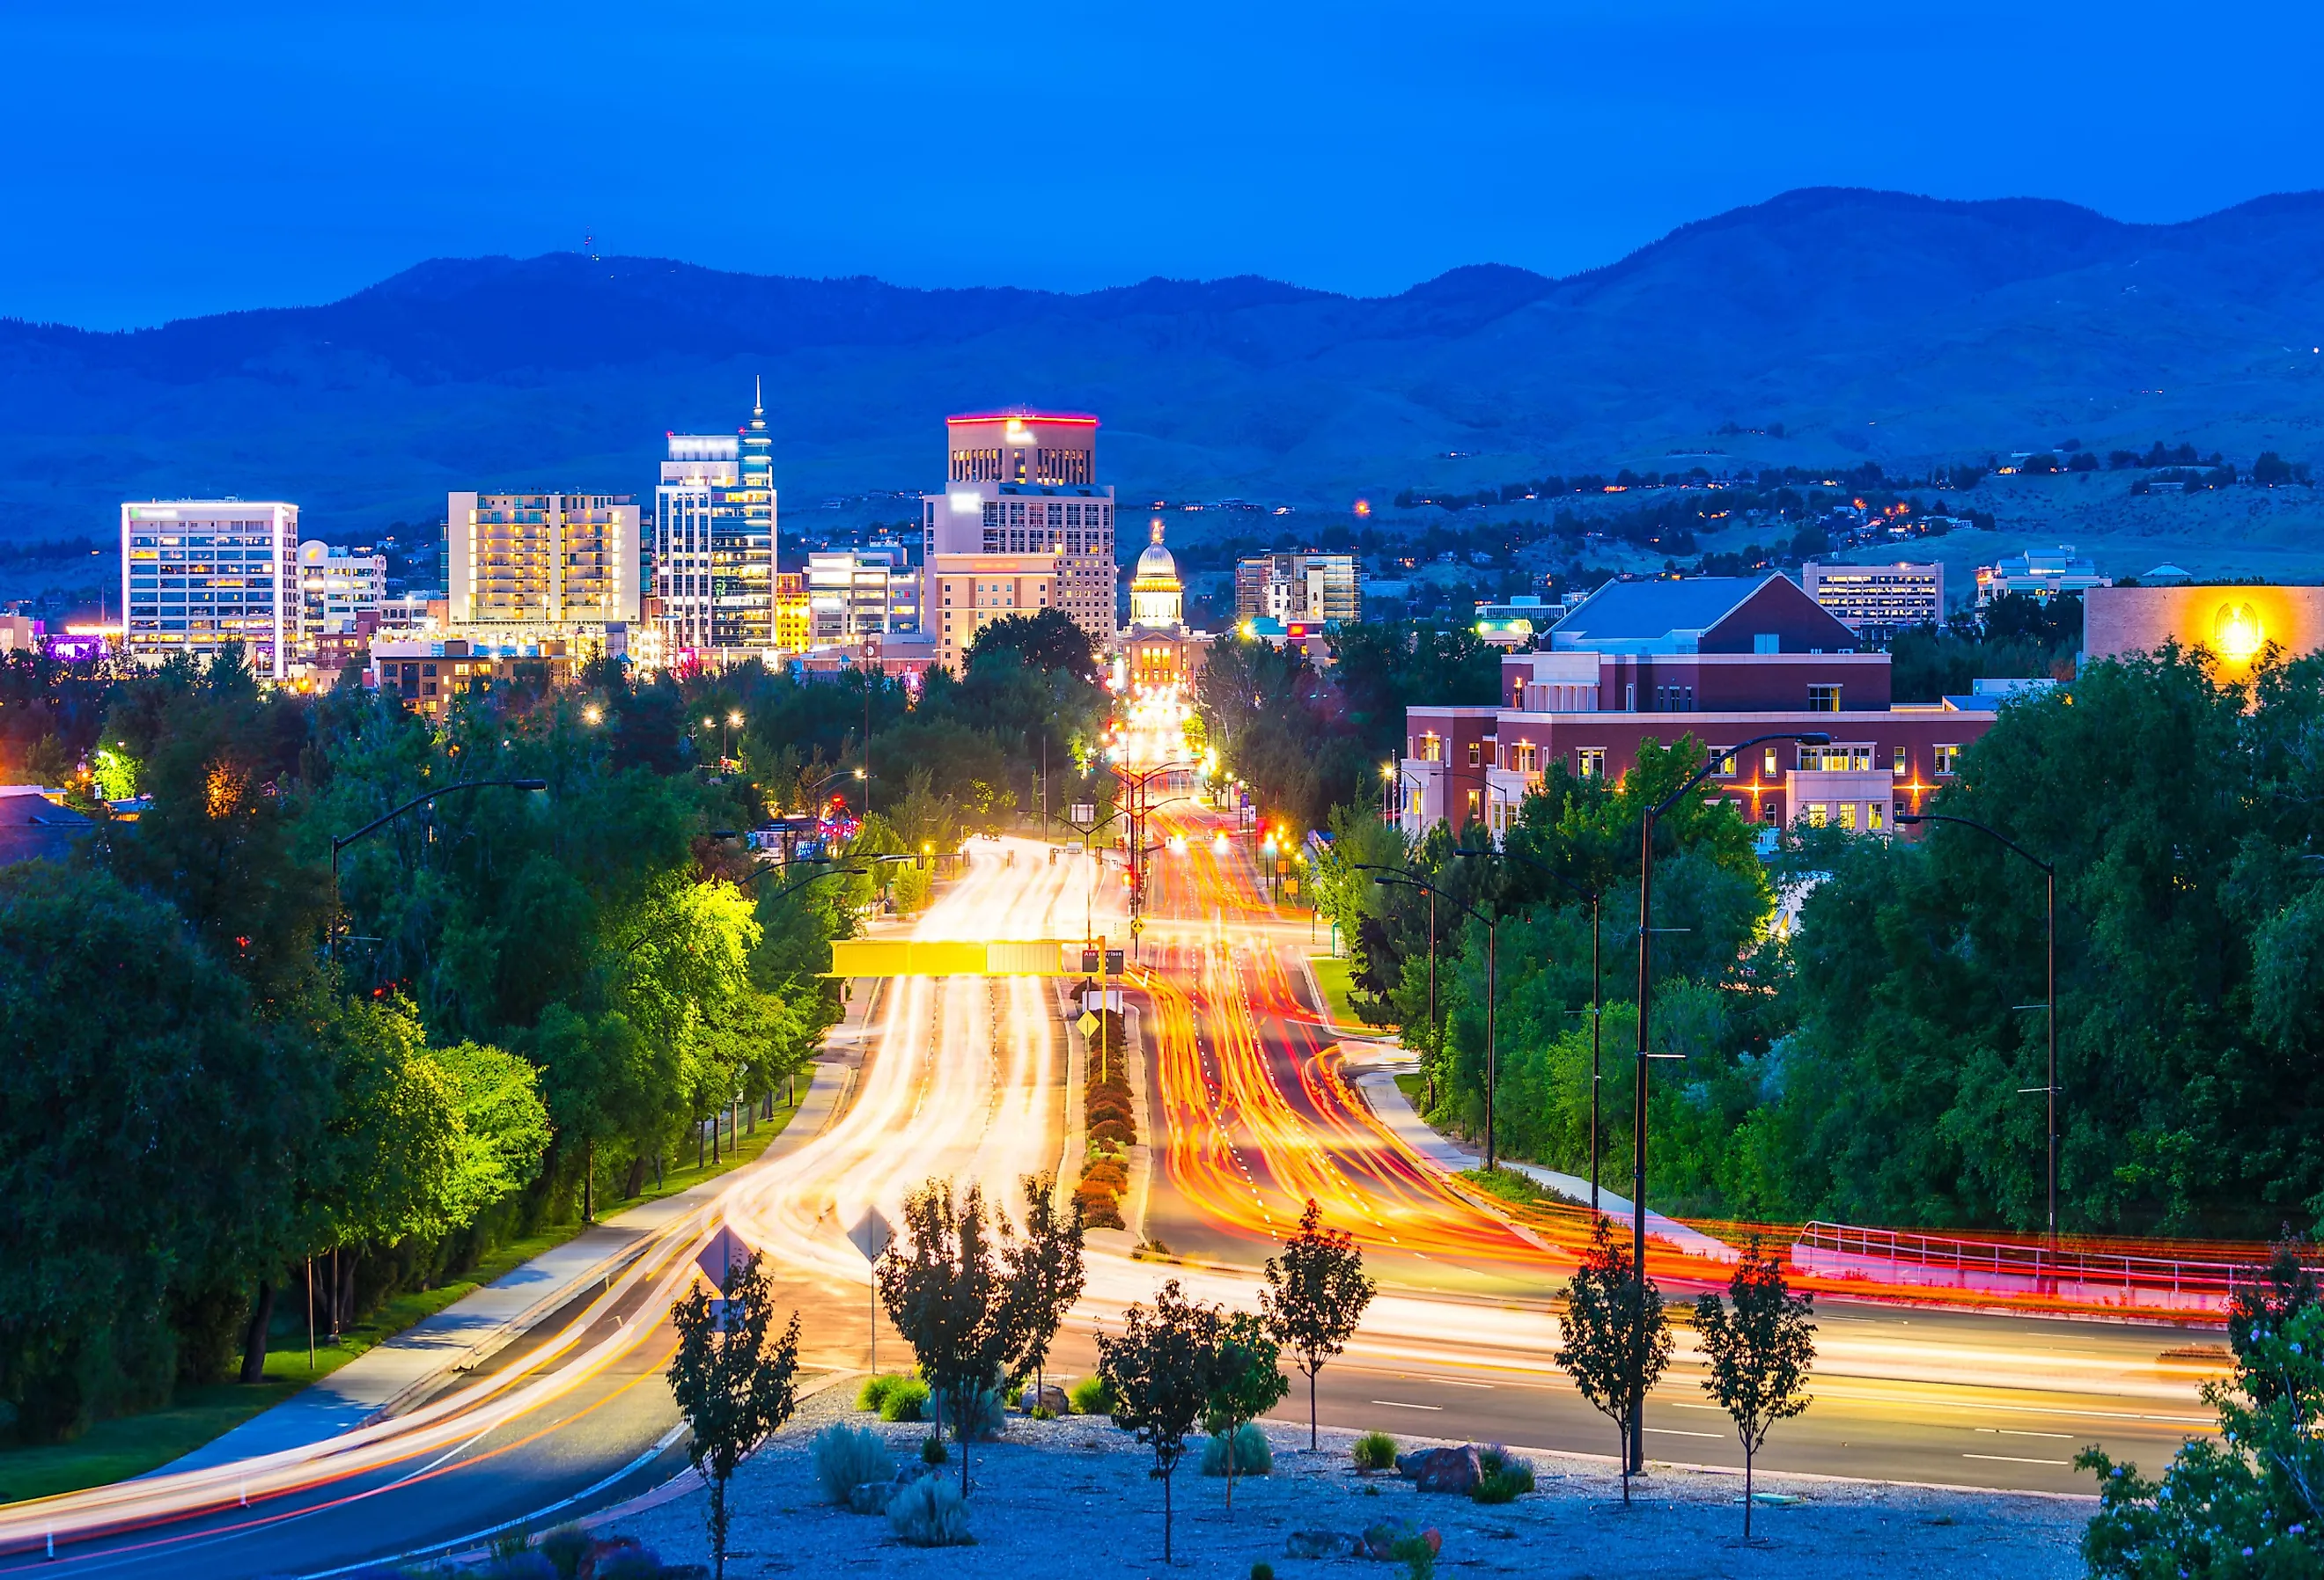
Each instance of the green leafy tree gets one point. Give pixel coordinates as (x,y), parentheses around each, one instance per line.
(2249,1501)
(1046,1275)
(732,1387)
(1761,1351)
(947,1288)
(1617,1337)
(152,1130)
(1315,1295)
(1247,1382)
(1160,1369)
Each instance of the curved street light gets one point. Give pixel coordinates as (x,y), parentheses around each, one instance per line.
(1637,1446)
(1493,950)
(2050,882)
(1594,899)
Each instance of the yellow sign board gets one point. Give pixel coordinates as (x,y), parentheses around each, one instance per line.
(955,958)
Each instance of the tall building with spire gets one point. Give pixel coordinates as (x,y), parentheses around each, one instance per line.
(715,529)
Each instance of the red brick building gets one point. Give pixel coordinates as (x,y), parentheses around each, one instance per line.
(1732,658)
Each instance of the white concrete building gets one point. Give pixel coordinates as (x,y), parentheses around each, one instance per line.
(335,586)
(199,573)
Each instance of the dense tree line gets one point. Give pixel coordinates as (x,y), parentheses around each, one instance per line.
(513,1006)
(1867,1063)
(1306,739)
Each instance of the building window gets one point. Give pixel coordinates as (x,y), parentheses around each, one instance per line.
(1770,813)
(1823,699)
(1528,756)
(1476,753)
(1590,762)
(1876,816)
(1846,814)
(1815,814)
(1768,765)
(1901,768)
(1948,760)
(1432,748)
(1727,766)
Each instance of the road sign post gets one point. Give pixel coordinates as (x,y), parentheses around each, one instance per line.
(870,1236)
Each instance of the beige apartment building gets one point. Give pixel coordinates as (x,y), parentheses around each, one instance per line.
(968,592)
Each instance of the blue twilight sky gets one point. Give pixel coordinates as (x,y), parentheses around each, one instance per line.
(168,159)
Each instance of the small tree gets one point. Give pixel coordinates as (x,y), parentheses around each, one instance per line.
(1247,1382)
(1617,1337)
(1315,1294)
(945,1290)
(732,1388)
(1759,1355)
(1044,1275)
(1161,1370)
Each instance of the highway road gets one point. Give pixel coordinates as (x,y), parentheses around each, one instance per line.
(967,1078)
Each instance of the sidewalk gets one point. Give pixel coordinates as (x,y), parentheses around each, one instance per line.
(374,1383)
(1394,1110)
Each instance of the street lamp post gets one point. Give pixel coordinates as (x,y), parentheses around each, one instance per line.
(339,842)
(1492,949)
(1393,778)
(1637,1446)
(1594,899)
(2050,907)
(1400,872)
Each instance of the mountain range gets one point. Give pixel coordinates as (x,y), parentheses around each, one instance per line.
(1821,326)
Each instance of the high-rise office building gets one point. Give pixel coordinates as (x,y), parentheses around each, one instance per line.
(199,573)
(537,565)
(1297,588)
(1019,483)
(713,545)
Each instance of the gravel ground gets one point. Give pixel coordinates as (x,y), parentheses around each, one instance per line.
(1071,1498)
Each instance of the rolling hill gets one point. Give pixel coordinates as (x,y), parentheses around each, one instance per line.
(1866,324)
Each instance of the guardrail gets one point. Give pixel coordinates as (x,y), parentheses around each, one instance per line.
(2163,1279)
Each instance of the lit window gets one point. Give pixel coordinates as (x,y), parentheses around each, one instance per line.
(1770,762)
(1590,762)
(1901,768)
(1823,699)
(1948,760)
(1476,753)
(1848,814)
(1815,814)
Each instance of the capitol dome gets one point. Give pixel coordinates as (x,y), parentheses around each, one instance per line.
(1156,596)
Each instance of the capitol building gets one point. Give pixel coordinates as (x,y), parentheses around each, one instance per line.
(1158,650)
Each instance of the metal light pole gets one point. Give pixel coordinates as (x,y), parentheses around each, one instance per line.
(1492,949)
(1401,872)
(1639,1096)
(339,842)
(2050,906)
(1594,899)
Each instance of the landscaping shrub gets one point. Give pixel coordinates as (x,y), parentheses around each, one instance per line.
(933,1451)
(906,1399)
(846,1456)
(1262,1570)
(929,1513)
(1091,1397)
(1109,1172)
(1116,1131)
(982,1410)
(1506,1476)
(1374,1451)
(875,1390)
(1253,1455)
(564,1548)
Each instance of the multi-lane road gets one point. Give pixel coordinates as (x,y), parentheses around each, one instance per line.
(967,1078)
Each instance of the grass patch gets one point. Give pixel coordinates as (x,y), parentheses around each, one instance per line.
(129,1445)
(1510,1186)
(1333,975)
(1414,1087)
